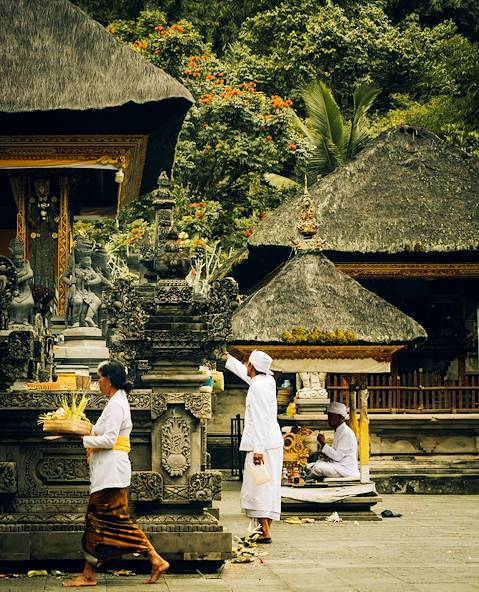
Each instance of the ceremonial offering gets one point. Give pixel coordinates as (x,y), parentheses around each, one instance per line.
(69,418)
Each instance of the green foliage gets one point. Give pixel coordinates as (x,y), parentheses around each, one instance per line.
(241,59)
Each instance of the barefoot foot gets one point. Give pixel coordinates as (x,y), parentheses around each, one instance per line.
(80,580)
(157,569)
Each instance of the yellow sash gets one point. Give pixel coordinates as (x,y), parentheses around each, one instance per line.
(122,443)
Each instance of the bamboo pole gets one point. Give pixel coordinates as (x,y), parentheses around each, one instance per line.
(363,435)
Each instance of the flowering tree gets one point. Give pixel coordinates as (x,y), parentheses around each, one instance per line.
(233,133)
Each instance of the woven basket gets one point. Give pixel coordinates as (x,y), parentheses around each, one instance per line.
(67,426)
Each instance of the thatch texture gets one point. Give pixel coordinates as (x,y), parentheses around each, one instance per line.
(309,291)
(54,57)
(407,191)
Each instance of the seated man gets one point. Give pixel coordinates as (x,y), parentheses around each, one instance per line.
(342,457)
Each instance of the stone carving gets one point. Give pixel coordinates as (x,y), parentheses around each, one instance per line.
(428,444)
(205,486)
(8,282)
(42,400)
(17,358)
(171,261)
(198,404)
(176,493)
(172,292)
(8,477)
(62,470)
(175,446)
(126,320)
(140,399)
(158,405)
(21,306)
(146,486)
(82,303)
(102,267)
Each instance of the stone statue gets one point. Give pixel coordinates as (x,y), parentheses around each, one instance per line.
(312,385)
(82,302)
(21,307)
(102,267)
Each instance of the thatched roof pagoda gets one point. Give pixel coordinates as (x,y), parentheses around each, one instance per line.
(310,309)
(63,75)
(406,191)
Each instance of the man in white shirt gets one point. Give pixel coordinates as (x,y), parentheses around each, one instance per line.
(261,440)
(342,456)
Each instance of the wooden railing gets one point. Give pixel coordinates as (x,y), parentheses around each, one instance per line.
(417,392)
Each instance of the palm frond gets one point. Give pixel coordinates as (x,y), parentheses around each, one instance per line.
(302,127)
(363,99)
(324,115)
(280,182)
(325,159)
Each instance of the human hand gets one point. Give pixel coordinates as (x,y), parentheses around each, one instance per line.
(258,458)
(225,355)
(321,439)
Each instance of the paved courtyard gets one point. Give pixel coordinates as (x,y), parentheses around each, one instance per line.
(434,547)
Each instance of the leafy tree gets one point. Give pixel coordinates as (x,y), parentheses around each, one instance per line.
(231,136)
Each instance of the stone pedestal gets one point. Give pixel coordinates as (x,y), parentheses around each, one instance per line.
(82,346)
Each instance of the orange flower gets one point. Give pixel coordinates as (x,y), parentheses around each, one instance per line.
(178,28)
(140,44)
(293,147)
(249,232)
(206,99)
(210,77)
(278,102)
(220,82)
(269,138)
(159,28)
(206,125)
(111,29)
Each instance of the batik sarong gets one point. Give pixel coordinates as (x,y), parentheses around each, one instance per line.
(109,530)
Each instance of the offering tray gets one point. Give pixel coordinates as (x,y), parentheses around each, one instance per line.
(67,426)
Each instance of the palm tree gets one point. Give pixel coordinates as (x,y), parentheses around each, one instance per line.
(334,141)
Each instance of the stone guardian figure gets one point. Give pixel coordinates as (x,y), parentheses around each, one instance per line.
(21,307)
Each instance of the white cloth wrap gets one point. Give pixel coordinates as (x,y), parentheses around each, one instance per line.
(110,468)
(263,501)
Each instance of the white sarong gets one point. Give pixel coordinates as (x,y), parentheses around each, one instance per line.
(263,501)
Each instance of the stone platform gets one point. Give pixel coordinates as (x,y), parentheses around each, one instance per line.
(82,346)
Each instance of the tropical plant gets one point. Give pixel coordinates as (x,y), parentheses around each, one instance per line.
(333,140)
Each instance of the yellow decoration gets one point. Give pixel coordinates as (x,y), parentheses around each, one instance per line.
(316,335)
(364,435)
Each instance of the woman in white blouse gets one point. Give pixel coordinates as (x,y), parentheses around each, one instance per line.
(109,530)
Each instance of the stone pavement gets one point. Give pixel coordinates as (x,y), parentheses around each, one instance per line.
(434,547)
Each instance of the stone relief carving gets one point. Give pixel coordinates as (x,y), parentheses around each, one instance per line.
(175,446)
(205,486)
(8,282)
(146,486)
(158,405)
(62,470)
(8,477)
(176,493)
(198,404)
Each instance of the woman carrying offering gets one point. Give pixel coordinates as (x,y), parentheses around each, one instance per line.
(109,530)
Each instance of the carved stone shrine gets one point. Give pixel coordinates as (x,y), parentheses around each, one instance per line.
(162,331)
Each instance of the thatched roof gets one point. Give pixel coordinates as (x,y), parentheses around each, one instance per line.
(406,191)
(310,292)
(55,57)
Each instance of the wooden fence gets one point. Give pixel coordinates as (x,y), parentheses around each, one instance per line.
(416,392)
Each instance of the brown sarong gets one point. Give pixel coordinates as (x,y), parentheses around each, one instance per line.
(109,530)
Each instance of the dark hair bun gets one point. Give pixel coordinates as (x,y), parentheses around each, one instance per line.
(127,386)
